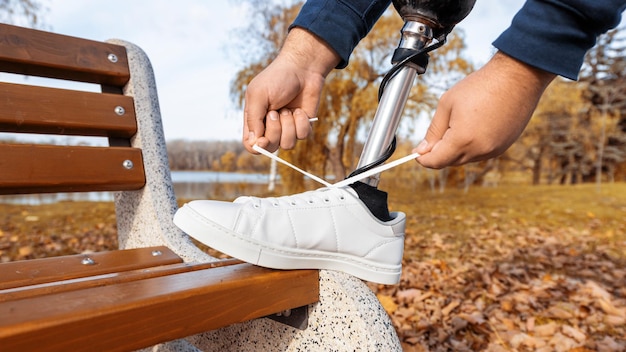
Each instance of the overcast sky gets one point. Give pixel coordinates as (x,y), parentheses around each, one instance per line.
(186,40)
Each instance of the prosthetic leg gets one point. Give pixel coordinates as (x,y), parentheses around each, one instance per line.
(426,26)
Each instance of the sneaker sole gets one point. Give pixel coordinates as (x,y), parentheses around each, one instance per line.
(250,251)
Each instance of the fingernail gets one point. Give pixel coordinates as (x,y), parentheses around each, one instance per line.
(251,138)
(423,144)
(273,115)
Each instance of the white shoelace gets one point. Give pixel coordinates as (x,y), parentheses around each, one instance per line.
(348,180)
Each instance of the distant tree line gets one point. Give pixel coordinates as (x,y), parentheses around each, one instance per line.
(227,156)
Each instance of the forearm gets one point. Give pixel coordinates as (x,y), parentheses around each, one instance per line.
(341,24)
(305,49)
(531,78)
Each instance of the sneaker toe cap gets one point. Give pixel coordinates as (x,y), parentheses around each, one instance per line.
(222,213)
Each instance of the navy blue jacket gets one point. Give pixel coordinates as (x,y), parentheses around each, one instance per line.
(553,35)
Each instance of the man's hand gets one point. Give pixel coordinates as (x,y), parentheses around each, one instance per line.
(281,99)
(483,114)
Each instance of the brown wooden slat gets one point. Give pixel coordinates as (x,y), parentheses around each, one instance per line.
(107,279)
(33,52)
(142,313)
(26,168)
(31,109)
(39,271)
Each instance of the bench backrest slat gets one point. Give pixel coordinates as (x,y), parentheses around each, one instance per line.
(26,108)
(39,53)
(31,168)
(58,111)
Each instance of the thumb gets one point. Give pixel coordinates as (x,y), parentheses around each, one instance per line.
(438,127)
(423,147)
(253,120)
(436,133)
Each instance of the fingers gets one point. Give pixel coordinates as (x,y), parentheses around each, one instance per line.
(302,124)
(271,140)
(288,125)
(284,128)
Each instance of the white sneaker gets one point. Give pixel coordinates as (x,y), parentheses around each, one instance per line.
(329,228)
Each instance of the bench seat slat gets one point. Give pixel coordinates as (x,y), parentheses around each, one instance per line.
(38,53)
(67,112)
(39,271)
(55,169)
(141,313)
(64,285)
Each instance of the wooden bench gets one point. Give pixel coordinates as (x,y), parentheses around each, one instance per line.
(158,287)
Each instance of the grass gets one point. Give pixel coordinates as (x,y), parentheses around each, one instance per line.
(583,208)
(551,206)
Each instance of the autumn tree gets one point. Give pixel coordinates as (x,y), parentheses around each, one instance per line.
(228,161)
(553,144)
(350,96)
(247,162)
(26,13)
(604,75)
(578,131)
(258,43)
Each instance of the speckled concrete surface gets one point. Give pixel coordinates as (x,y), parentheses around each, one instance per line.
(348,316)
(145,216)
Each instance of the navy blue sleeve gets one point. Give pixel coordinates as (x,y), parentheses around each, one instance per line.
(341,23)
(555,35)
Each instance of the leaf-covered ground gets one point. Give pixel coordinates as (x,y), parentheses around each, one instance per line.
(514,268)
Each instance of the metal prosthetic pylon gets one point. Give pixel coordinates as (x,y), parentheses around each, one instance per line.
(426,25)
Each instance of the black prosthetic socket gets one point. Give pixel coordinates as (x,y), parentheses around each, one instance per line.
(374,199)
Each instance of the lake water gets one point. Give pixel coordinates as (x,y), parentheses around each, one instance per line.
(217,177)
(187,185)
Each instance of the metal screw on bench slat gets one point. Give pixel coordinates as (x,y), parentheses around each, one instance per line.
(88,261)
(120,110)
(128,164)
(156,253)
(112,57)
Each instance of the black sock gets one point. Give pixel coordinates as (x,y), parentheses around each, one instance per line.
(374,199)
